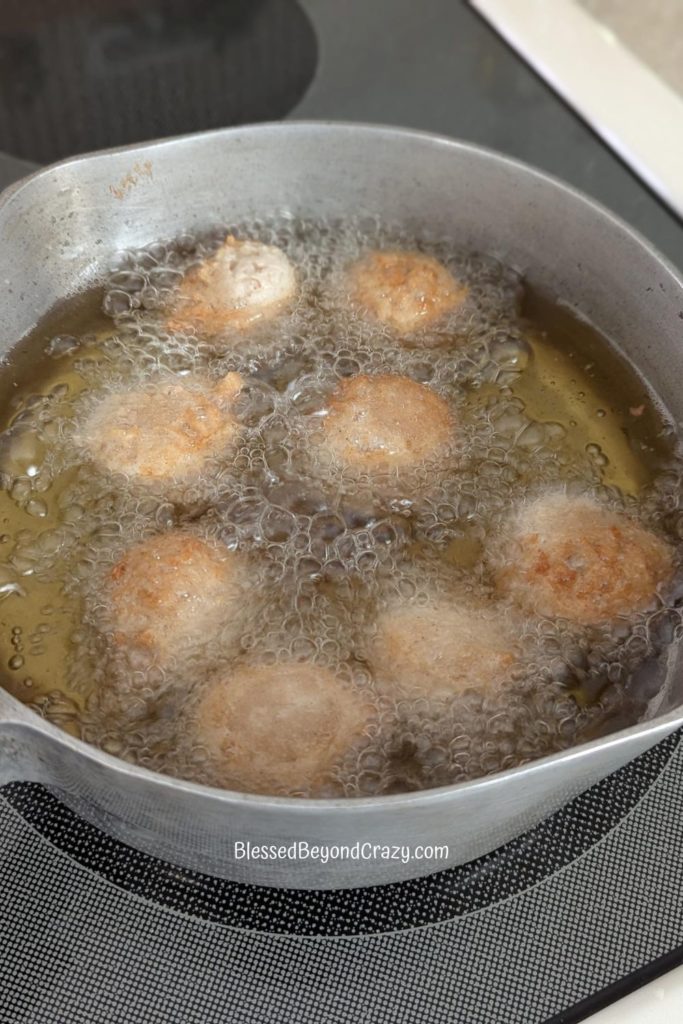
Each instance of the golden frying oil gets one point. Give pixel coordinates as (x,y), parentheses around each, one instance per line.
(541,396)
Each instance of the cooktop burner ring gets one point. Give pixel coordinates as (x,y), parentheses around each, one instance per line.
(77,76)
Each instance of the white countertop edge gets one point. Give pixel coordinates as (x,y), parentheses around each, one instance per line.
(660,1002)
(633,109)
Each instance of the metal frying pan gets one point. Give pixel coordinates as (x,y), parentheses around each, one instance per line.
(58,227)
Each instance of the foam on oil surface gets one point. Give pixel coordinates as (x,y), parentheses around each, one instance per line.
(324,550)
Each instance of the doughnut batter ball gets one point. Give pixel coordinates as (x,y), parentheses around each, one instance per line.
(572,558)
(279,729)
(405,290)
(376,424)
(241,283)
(170,594)
(441,649)
(165,432)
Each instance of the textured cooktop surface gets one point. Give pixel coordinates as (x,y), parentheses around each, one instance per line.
(548,929)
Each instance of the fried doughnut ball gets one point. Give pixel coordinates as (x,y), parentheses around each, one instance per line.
(442,648)
(570,557)
(279,728)
(244,281)
(405,290)
(171,593)
(164,432)
(386,422)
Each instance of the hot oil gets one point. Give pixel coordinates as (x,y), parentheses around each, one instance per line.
(39,382)
(540,399)
(608,410)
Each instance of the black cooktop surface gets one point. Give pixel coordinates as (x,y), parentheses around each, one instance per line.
(545,930)
(549,928)
(77,75)
(433,65)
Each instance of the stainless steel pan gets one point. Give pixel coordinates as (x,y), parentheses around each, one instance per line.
(60,225)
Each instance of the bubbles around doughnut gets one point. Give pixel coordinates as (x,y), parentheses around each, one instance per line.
(570,557)
(168,595)
(384,423)
(405,290)
(163,432)
(279,728)
(243,282)
(442,648)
